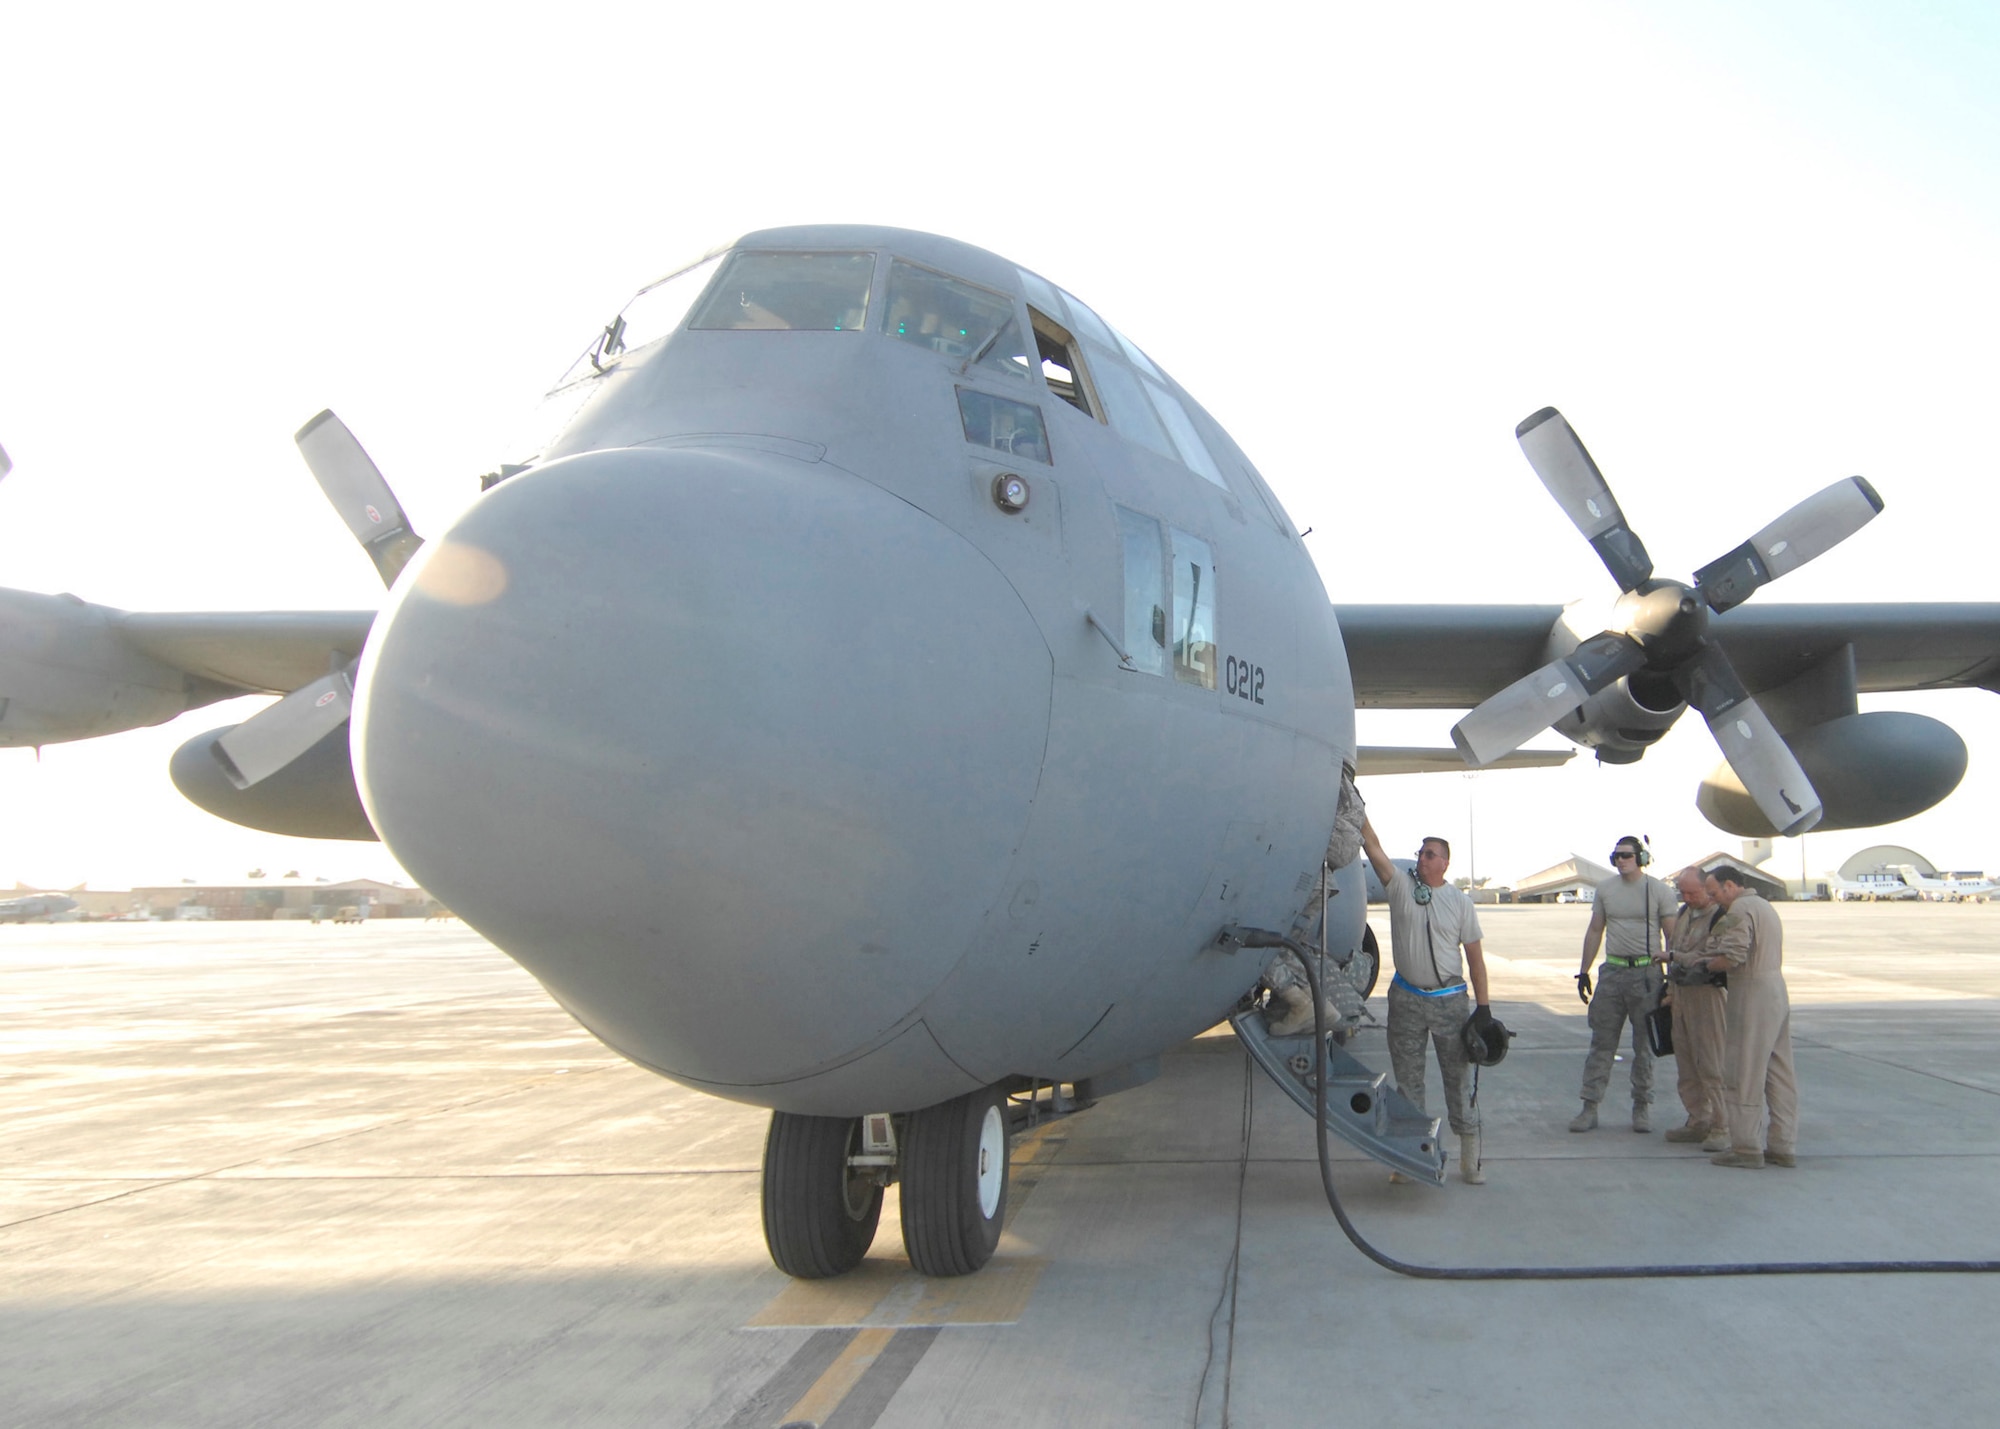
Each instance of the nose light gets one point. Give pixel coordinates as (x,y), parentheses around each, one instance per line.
(1010,492)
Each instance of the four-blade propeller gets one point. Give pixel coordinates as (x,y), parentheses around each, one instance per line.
(273,738)
(1663,624)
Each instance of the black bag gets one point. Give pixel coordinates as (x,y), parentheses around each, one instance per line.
(1660,1030)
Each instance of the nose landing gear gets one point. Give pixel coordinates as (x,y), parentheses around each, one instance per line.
(820,1210)
(823,1181)
(955,1183)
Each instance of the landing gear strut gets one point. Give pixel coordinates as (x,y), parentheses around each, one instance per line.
(955,1183)
(820,1211)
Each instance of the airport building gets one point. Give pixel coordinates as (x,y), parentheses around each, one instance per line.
(266,898)
(1574,880)
(253,899)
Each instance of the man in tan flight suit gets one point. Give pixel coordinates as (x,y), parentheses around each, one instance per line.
(1698,1003)
(1748,943)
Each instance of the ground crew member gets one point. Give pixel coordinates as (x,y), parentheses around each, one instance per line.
(1698,1002)
(1635,910)
(1749,944)
(1429,922)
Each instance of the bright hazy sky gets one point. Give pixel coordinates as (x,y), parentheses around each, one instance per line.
(1746,254)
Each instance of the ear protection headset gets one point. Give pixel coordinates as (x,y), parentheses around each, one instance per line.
(1634,843)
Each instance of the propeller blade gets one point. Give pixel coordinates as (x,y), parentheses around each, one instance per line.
(273,738)
(1755,750)
(1573,479)
(1507,720)
(1810,529)
(358,492)
(6,463)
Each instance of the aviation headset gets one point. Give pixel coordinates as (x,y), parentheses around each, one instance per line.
(1485,1043)
(1633,843)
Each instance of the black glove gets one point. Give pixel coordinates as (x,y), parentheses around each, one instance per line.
(1482,1017)
(1583,987)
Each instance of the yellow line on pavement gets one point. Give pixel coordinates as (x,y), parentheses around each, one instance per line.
(839,1377)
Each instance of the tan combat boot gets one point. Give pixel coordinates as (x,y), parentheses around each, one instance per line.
(1585,1120)
(1470,1164)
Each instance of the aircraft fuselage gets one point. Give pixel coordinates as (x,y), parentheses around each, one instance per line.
(892,724)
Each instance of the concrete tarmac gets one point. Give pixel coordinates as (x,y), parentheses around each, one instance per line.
(276,1174)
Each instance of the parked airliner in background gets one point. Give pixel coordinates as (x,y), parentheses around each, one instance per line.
(918,691)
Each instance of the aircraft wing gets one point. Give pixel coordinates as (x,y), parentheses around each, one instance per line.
(1456,656)
(256,651)
(1396,759)
(1778,685)
(72,670)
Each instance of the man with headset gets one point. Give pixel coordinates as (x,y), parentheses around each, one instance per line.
(1637,912)
(1429,922)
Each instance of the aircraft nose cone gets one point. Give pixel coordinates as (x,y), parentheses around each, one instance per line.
(730,750)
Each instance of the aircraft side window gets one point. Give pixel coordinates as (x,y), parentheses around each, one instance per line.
(1145,592)
(1088,323)
(1006,426)
(1194,611)
(1041,293)
(1125,406)
(1139,359)
(789,292)
(1062,362)
(954,319)
(1187,441)
(653,312)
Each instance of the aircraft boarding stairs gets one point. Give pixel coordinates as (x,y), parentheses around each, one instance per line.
(1362,1109)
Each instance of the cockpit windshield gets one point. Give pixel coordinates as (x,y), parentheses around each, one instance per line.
(952,317)
(789,292)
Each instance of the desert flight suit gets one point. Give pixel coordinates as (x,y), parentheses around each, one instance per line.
(1757,1046)
(1698,1022)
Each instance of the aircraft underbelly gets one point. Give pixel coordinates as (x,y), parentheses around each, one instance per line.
(776,748)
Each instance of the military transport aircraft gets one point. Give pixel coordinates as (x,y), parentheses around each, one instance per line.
(38,908)
(912,687)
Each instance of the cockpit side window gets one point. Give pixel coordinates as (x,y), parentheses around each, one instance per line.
(955,319)
(1194,610)
(792,292)
(1062,362)
(1145,592)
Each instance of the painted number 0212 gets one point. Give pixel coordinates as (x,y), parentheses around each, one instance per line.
(1243,680)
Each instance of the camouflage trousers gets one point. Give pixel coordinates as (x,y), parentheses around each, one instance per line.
(1622,995)
(1439,1021)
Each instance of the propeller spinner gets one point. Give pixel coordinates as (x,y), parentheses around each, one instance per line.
(1662,625)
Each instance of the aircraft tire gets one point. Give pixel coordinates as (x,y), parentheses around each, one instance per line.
(955,1183)
(819,1219)
(1367,964)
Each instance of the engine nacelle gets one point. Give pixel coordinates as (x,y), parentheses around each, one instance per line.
(1867,769)
(313,797)
(1624,720)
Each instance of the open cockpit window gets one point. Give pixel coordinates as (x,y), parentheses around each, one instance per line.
(1062,362)
(954,319)
(789,292)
